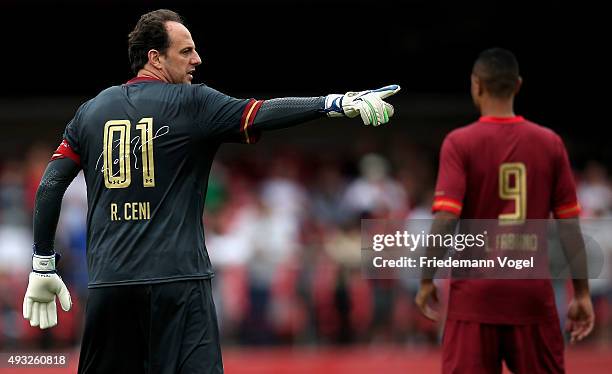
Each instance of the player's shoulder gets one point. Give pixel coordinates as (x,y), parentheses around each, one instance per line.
(91,105)
(201,89)
(103,95)
(188,93)
(149,91)
(84,108)
(542,131)
(478,128)
(463,133)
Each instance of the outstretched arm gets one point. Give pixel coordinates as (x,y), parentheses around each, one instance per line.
(284,112)
(288,111)
(44,284)
(217,114)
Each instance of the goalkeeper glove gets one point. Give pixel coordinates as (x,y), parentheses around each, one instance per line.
(44,284)
(369,104)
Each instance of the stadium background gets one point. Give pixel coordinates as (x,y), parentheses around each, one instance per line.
(282,219)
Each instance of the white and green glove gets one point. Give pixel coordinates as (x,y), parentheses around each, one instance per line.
(369,104)
(39,302)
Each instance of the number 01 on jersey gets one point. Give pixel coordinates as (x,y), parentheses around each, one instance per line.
(117,171)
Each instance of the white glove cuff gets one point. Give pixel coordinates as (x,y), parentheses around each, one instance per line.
(43,264)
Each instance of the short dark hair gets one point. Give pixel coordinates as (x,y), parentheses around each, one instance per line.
(150,33)
(498,71)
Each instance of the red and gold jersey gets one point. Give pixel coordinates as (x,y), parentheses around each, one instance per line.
(504,168)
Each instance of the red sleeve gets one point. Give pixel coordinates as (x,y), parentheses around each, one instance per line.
(246,122)
(565,203)
(65,151)
(450,187)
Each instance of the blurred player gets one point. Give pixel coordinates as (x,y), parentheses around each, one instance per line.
(146,149)
(490,321)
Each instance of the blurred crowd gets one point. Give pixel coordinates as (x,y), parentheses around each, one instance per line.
(283,232)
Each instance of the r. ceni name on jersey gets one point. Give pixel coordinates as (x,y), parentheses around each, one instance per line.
(133,211)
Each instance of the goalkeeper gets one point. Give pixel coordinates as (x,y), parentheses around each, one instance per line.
(146,148)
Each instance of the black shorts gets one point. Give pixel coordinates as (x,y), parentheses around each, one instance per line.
(158,328)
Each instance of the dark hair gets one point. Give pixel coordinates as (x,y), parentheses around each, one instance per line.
(149,33)
(498,71)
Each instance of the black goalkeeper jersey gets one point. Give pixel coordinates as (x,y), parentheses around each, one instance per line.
(146,149)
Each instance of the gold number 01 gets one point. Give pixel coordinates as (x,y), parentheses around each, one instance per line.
(146,146)
(513,186)
(123,177)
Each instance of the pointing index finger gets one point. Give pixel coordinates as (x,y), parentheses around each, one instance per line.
(387,91)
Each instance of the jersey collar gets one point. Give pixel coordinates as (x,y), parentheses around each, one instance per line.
(506,120)
(143,79)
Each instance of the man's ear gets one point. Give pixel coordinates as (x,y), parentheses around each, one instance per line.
(154,56)
(519,83)
(476,86)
